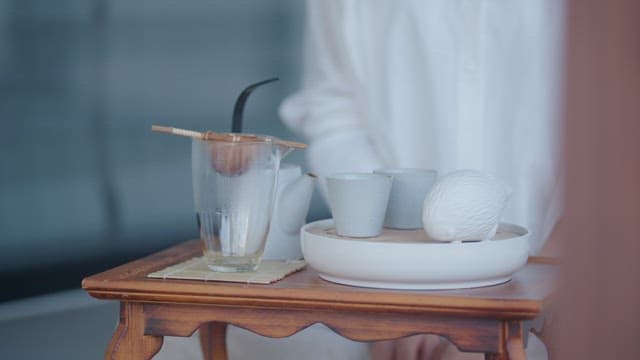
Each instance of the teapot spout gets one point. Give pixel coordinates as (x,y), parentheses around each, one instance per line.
(294,202)
(284,150)
(285,146)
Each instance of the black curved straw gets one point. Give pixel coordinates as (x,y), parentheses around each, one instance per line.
(236,125)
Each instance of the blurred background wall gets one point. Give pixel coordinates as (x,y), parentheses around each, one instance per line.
(84,184)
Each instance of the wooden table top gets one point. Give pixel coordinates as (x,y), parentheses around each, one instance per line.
(524,297)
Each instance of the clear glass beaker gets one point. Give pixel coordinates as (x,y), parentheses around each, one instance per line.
(234,186)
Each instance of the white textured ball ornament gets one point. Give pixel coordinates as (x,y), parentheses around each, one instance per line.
(464,205)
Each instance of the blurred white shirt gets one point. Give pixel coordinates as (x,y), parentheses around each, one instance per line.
(441,84)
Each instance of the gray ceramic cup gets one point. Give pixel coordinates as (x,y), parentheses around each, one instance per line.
(358,202)
(410,188)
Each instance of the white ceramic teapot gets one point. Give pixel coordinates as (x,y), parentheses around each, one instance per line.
(293,197)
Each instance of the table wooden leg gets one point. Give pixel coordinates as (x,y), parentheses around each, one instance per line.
(129,340)
(513,343)
(213,340)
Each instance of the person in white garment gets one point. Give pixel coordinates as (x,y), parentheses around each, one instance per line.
(438,84)
(442,85)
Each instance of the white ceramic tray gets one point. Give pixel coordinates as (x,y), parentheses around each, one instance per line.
(408,259)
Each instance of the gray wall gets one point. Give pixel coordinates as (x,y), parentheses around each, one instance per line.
(84,184)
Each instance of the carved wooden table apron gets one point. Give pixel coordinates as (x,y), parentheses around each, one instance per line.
(488,320)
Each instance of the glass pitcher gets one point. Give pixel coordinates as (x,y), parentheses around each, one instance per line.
(234,183)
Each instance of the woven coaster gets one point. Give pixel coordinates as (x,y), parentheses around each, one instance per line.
(268,272)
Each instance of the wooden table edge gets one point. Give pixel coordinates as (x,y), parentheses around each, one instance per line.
(521,309)
(101,286)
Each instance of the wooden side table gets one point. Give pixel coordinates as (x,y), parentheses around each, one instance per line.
(487,320)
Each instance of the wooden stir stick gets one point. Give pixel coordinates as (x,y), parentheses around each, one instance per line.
(231,137)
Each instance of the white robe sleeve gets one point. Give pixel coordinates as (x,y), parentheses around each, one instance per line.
(325,110)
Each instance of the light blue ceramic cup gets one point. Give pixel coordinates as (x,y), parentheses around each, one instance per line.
(358,202)
(410,188)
